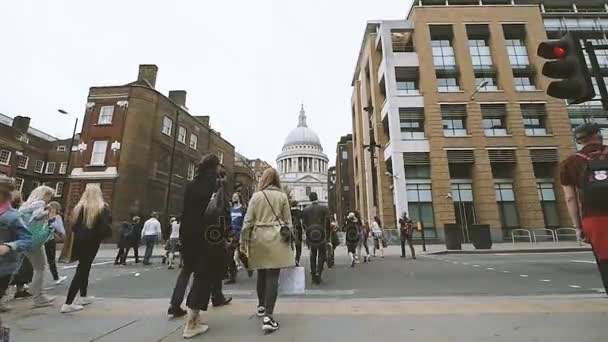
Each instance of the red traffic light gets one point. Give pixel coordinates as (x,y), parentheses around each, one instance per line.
(559,51)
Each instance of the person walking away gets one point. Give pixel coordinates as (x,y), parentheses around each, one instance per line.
(363,237)
(173,243)
(584,178)
(15,238)
(378,236)
(92,222)
(35,212)
(134,239)
(296,218)
(56,223)
(26,272)
(123,243)
(267,250)
(237,216)
(150,235)
(352,236)
(202,245)
(315,219)
(406,230)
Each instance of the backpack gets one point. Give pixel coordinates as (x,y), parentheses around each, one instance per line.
(593,185)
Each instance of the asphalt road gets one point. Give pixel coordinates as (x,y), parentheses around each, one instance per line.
(428,276)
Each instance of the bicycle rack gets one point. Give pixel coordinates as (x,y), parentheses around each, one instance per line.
(528,234)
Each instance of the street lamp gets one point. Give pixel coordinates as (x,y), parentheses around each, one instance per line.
(65,251)
(63,112)
(482,85)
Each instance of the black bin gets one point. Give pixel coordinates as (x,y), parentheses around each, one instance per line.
(453,236)
(480,236)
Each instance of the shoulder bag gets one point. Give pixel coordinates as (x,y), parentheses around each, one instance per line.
(285,232)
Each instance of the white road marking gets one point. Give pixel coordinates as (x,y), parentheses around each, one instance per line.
(490,269)
(546,280)
(503,254)
(524,275)
(575,286)
(476,266)
(95,264)
(506,271)
(465,263)
(583,261)
(137,274)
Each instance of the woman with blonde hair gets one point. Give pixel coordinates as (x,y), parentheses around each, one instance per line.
(91,224)
(35,211)
(266,247)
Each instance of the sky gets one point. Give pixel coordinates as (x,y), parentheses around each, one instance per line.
(249,64)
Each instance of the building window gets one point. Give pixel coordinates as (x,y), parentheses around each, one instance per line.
(488,78)
(505,197)
(38,166)
(105,115)
(59,189)
(181,134)
(407,81)
(63,168)
(518,53)
(5,157)
(546,194)
(420,204)
(535,118)
(417,171)
(308,190)
(23,161)
(447,85)
(524,83)
(480,54)
(98,156)
(411,122)
(407,88)
(61,148)
(346,188)
(494,119)
(50,168)
(19,184)
(344,155)
(454,118)
(193,141)
(191,170)
(402,41)
(167,126)
(443,54)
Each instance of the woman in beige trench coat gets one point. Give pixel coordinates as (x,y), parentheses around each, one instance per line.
(261,242)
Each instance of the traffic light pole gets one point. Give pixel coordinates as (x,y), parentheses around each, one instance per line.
(595,66)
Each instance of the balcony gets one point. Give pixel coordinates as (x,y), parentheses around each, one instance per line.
(406,59)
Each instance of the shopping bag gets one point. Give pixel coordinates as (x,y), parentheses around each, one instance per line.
(292,281)
(41,233)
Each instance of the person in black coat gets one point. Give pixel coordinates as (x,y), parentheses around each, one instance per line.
(203,243)
(316,221)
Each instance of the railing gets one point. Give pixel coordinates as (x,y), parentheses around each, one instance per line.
(543,233)
(526,232)
(574,234)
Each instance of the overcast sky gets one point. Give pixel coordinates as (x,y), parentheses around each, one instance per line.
(246,63)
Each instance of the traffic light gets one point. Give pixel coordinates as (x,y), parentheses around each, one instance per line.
(570,66)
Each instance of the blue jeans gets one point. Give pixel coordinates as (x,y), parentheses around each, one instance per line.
(149,240)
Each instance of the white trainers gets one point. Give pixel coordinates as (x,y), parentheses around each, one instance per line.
(44,301)
(85,300)
(269,324)
(68,308)
(194,325)
(60,280)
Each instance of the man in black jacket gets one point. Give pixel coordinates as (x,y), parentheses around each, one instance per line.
(315,219)
(296,220)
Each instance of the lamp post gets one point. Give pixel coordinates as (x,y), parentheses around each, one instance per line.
(481,85)
(65,251)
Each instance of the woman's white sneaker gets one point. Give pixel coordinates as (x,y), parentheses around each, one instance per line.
(68,308)
(269,324)
(85,300)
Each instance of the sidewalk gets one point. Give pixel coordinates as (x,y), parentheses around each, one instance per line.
(421,319)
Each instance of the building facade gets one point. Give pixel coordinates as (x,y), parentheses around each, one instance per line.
(345,182)
(302,164)
(453,103)
(245,180)
(142,147)
(32,157)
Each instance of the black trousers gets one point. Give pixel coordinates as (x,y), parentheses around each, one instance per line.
(135,251)
(80,282)
(318,254)
(179,291)
(50,248)
(205,286)
(268,289)
(4,280)
(298,244)
(121,255)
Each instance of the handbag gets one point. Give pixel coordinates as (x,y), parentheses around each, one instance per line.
(284,231)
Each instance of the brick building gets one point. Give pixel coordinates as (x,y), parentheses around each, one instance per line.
(245,180)
(32,157)
(135,141)
(344,180)
(454,98)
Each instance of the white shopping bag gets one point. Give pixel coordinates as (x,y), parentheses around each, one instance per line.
(292,281)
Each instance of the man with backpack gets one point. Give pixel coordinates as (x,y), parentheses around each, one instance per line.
(584,177)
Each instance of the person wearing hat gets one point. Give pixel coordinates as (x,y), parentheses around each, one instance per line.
(584,178)
(352,236)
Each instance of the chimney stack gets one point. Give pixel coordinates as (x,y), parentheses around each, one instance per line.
(178,96)
(148,72)
(21,123)
(204,119)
